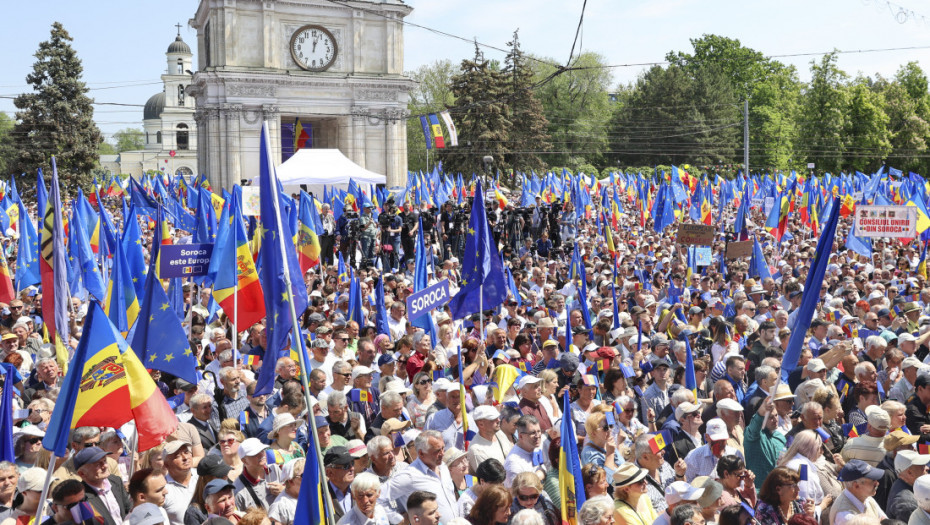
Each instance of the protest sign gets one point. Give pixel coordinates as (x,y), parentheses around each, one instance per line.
(886,221)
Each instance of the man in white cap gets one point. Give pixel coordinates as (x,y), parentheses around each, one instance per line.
(259,483)
(904,388)
(868,447)
(676,494)
(921,516)
(449,421)
(901,502)
(530,389)
(731,413)
(702,461)
(489,441)
(181,479)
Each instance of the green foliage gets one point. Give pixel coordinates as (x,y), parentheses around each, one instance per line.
(7,152)
(56,118)
(867,136)
(823,115)
(482,117)
(577,107)
(129,139)
(529,135)
(105,148)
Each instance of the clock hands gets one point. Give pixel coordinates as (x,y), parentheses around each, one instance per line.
(315,39)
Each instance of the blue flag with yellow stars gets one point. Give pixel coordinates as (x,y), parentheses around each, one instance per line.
(158,337)
(279,267)
(484,286)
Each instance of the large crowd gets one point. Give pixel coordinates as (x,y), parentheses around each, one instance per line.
(840,442)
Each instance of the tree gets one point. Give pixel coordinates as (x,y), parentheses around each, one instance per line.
(105,148)
(823,115)
(433,93)
(866,127)
(675,116)
(577,106)
(773,119)
(481,117)
(907,124)
(529,136)
(129,139)
(6,143)
(57,117)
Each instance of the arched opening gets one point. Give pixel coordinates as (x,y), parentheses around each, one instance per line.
(183,137)
(180,66)
(180,95)
(158,137)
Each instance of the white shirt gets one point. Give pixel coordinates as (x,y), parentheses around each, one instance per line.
(420,477)
(809,488)
(283,509)
(326,366)
(518,462)
(178,497)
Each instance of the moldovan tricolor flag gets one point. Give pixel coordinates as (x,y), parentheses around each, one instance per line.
(107,386)
(236,288)
(437,131)
(571,486)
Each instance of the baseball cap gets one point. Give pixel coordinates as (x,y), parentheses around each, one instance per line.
(816,365)
(855,469)
(172,447)
(32,479)
(213,465)
(922,491)
(906,338)
(568,362)
(393,425)
(717,430)
(217,485)
(906,459)
(527,380)
(729,404)
(877,418)
(88,455)
(357,448)
(361,371)
(485,412)
(910,362)
(337,456)
(146,514)
(682,491)
(685,408)
(251,447)
(385,359)
(897,439)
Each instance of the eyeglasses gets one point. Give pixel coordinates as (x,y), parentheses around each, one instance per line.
(425,382)
(227,441)
(343,467)
(70,506)
(528,497)
(88,444)
(629,410)
(342,339)
(790,485)
(343,375)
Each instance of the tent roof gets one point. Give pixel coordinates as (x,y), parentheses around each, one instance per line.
(324,166)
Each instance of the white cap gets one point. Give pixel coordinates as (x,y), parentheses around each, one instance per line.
(922,491)
(485,412)
(251,447)
(685,408)
(682,491)
(439,384)
(360,371)
(911,362)
(729,404)
(527,380)
(452,386)
(145,514)
(816,365)
(716,430)
(906,459)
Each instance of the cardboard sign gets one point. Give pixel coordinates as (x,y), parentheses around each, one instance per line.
(735,250)
(699,234)
(769,204)
(886,221)
(428,299)
(185,260)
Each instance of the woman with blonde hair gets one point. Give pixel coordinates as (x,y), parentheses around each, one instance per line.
(153,459)
(600,443)
(550,388)
(631,504)
(228,445)
(804,452)
(595,481)
(284,439)
(422,398)
(528,494)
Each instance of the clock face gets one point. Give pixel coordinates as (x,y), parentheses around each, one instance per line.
(313,48)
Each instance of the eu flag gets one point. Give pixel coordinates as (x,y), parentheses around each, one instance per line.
(279,268)
(483,283)
(158,337)
(571,486)
(6,417)
(310,503)
(811,293)
(381,316)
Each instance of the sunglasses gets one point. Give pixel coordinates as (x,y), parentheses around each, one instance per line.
(425,382)
(227,441)
(528,497)
(33,440)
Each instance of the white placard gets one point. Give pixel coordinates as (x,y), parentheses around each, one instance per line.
(886,221)
(251,205)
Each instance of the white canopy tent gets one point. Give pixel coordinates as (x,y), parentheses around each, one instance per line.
(323,167)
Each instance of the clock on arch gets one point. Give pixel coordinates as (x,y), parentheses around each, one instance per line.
(314,48)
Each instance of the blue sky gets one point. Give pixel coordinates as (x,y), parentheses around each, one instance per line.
(122,43)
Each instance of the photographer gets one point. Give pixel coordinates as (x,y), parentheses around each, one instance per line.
(391,225)
(411,224)
(328,237)
(368,234)
(446,226)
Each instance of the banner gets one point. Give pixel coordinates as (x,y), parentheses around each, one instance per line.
(735,250)
(184,260)
(886,221)
(696,234)
(428,299)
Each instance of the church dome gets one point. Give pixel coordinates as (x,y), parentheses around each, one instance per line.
(178,46)
(154,106)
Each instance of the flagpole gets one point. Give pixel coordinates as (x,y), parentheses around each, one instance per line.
(48,481)
(298,339)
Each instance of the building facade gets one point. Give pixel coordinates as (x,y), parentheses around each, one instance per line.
(336,66)
(168,123)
